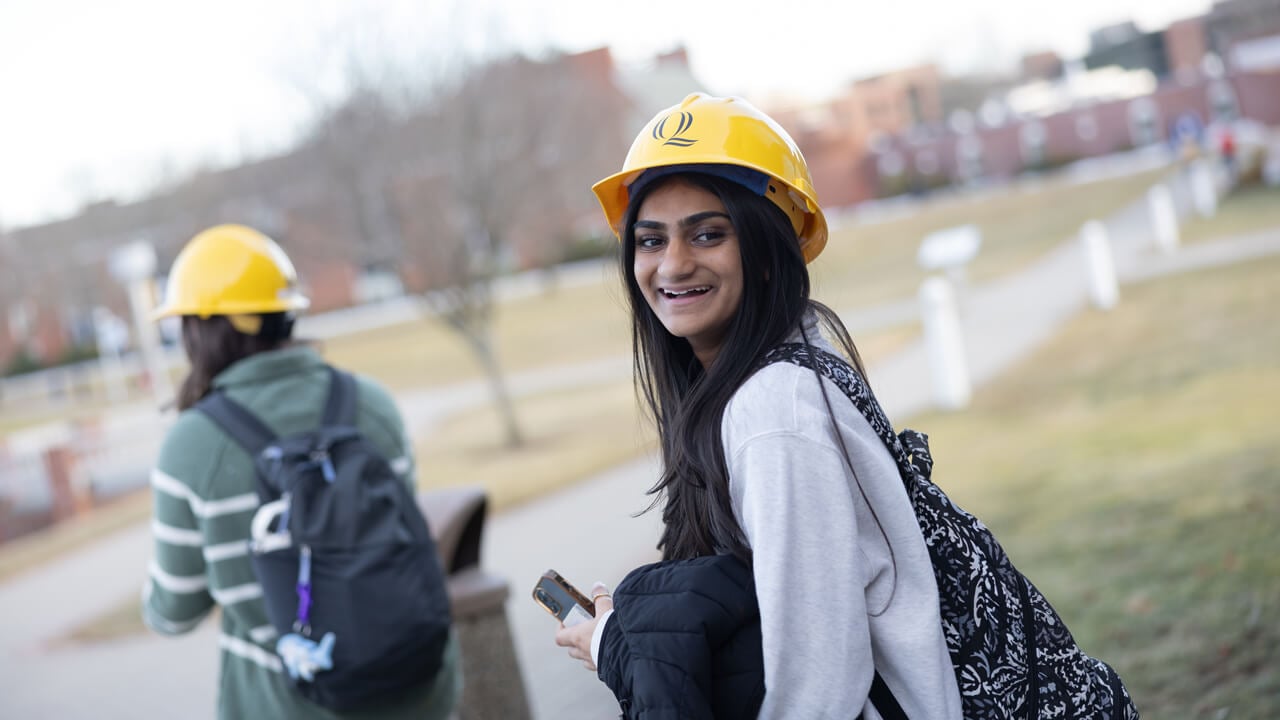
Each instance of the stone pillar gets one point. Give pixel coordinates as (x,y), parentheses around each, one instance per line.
(493,686)
(71,496)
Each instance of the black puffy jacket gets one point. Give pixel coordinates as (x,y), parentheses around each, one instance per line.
(684,641)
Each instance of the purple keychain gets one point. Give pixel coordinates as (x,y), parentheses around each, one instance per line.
(302,656)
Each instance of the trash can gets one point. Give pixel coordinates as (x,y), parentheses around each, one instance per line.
(493,686)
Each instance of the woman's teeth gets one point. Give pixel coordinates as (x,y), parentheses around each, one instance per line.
(682,293)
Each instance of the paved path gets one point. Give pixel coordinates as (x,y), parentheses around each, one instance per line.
(586,532)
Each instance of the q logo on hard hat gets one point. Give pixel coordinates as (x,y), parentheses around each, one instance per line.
(676,138)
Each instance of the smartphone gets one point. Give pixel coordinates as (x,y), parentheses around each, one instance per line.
(560,598)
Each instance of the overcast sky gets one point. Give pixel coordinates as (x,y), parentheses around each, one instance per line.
(102,98)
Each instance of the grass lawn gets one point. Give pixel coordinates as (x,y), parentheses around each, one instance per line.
(1246,210)
(871,263)
(567,325)
(1131,468)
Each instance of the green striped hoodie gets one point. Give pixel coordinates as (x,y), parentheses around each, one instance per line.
(204,497)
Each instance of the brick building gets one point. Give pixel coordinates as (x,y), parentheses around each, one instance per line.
(1085,130)
(1194,69)
(837,135)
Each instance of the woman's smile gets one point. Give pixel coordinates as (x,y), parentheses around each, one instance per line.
(690,294)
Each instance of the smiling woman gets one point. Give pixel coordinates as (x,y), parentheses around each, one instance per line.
(781,505)
(804,547)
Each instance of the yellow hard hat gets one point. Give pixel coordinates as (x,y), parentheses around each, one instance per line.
(704,130)
(231,270)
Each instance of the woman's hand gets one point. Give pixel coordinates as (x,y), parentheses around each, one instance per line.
(578,637)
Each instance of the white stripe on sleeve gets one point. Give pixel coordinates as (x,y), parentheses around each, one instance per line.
(250,652)
(264,634)
(224,551)
(225,506)
(175,535)
(185,584)
(170,485)
(238,593)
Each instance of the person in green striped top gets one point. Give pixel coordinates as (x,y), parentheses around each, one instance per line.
(235,290)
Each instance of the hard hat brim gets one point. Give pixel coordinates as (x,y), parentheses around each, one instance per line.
(613,193)
(293,303)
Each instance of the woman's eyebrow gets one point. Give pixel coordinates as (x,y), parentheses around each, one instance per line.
(693,219)
(696,218)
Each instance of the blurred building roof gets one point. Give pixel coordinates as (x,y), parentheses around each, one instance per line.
(657,84)
(1079,87)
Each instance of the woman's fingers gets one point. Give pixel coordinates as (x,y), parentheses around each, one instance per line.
(566,637)
(578,638)
(602,597)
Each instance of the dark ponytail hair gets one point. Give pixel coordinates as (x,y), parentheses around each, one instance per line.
(687,401)
(212,345)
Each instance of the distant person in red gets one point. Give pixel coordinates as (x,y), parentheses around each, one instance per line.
(1227,150)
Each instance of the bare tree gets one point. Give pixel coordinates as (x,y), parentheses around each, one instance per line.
(458,170)
(515,140)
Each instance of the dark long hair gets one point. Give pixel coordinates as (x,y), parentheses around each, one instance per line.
(212,344)
(687,401)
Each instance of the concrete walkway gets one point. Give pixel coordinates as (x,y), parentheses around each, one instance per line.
(587,532)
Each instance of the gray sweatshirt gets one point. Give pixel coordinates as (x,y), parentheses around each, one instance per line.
(832,607)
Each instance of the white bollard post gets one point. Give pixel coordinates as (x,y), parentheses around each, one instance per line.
(1104,290)
(142,302)
(1164,219)
(1204,189)
(111,334)
(944,344)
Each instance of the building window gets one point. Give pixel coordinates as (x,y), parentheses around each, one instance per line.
(1144,122)
(961,121)
(969,157)
(1087,127)
(890,164)
(927,163)
(1032,138)
(913,102)
(1222,101)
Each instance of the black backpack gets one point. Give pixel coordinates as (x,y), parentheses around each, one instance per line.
(1013,656)
(348,568)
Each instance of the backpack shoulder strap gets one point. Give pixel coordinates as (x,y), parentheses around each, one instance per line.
(909,450)
(883,701)
(340,408)
(235,420)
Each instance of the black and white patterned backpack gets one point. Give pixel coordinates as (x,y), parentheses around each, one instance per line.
(1014,657)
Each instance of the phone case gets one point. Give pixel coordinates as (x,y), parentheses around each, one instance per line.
(560,598)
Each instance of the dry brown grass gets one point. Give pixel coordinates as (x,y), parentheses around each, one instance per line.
(1246,210)
(1130,468)
(866,264)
